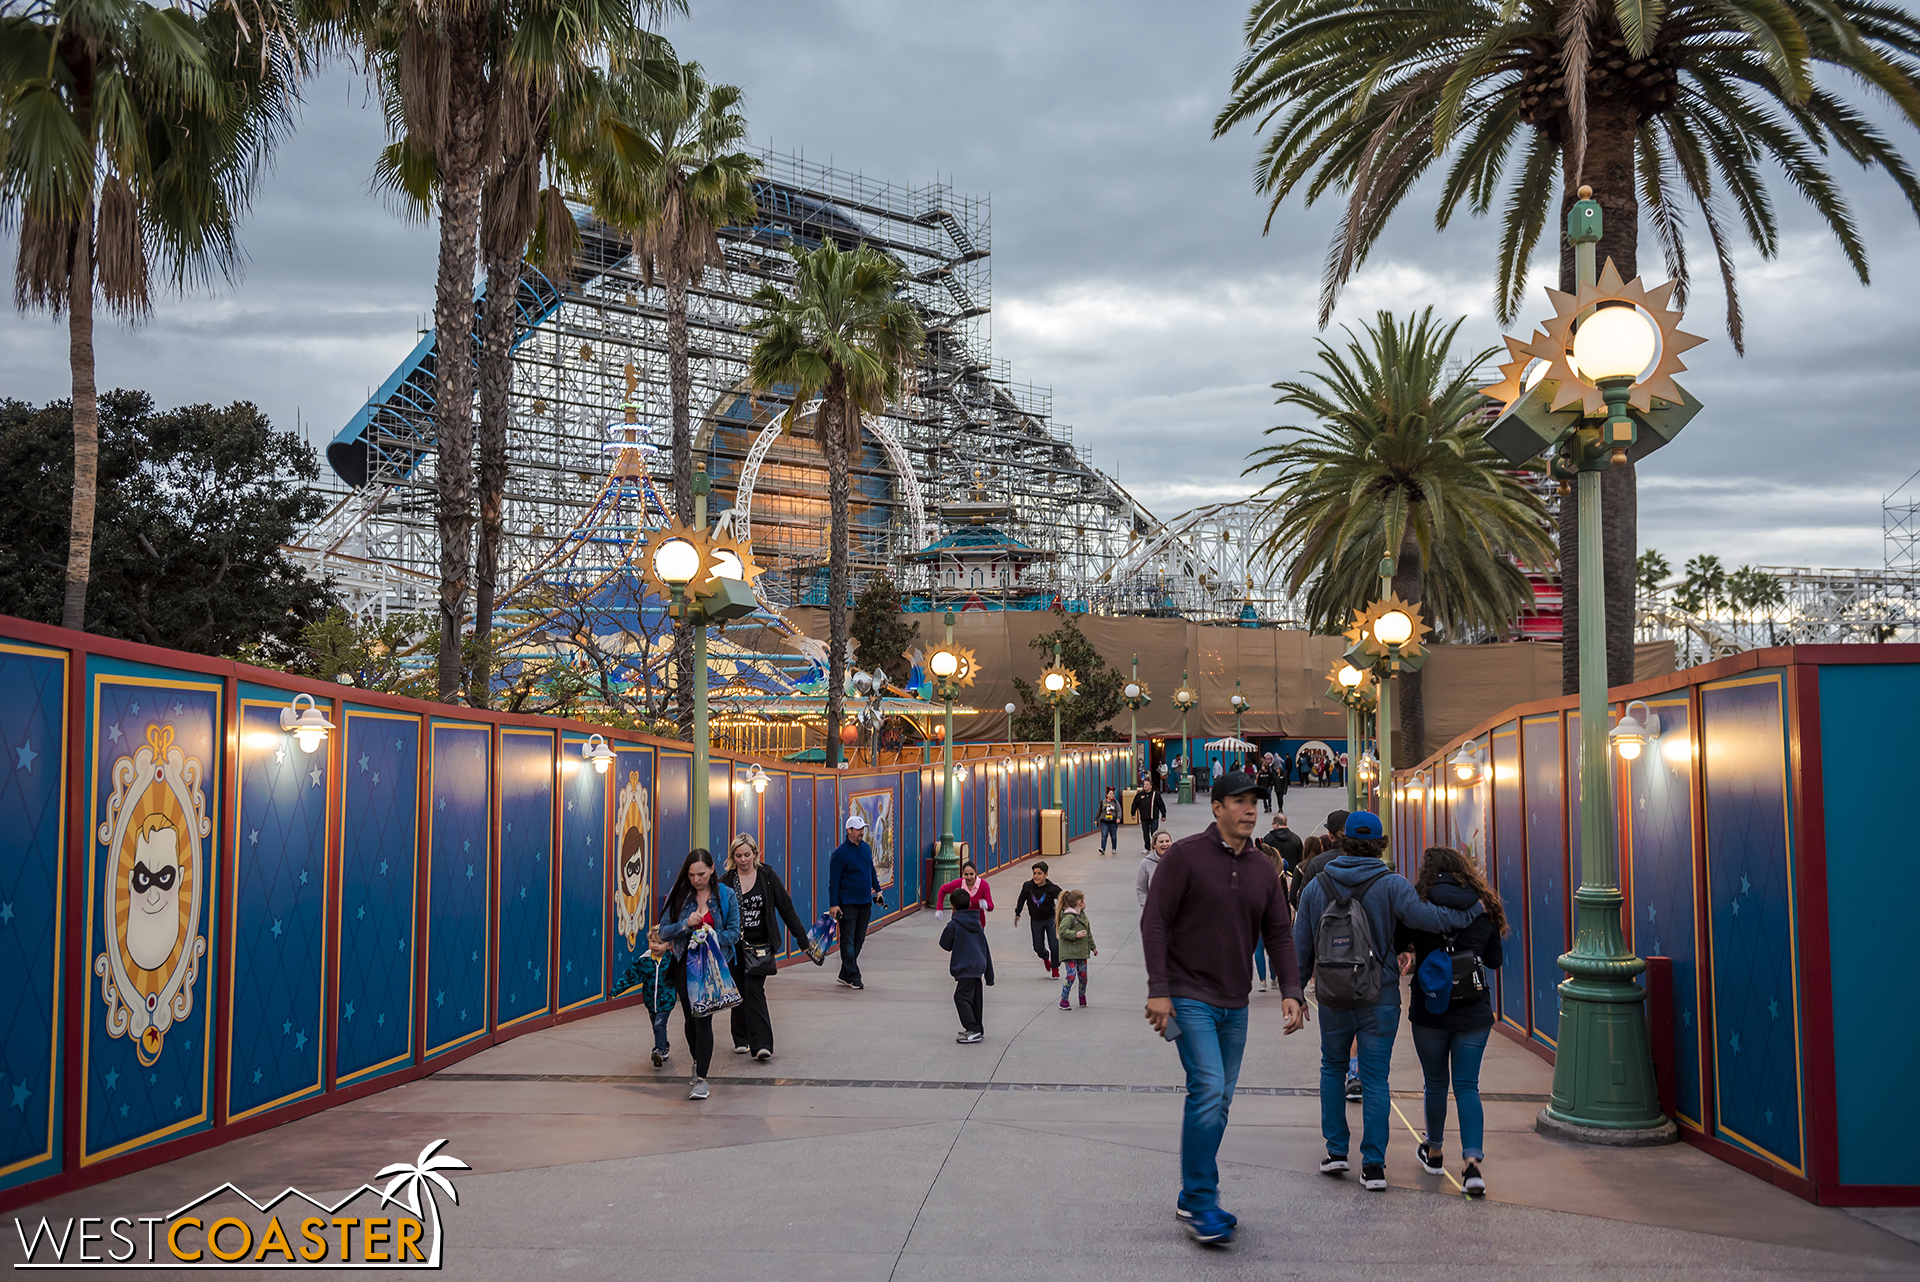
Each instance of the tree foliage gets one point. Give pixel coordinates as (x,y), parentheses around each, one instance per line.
(847,336)
(1393,466)
(1682,109)
(194,505)
(1083,718)
(881,637)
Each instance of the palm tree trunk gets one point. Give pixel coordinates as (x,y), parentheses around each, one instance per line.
(460,178)
(680,394)
(496,405)
(1610,172)
(86,422)
(838,503)
(1409,702)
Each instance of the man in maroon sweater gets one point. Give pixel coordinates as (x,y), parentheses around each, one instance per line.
(1212,896)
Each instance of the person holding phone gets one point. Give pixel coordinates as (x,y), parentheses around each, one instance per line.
(1213,894)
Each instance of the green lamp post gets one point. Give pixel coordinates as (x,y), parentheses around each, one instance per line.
(1386,641)
(1058,684)
(1597,387)
(1240,705)
(1354,689)
(952,668)
(707,579)
(1135,696)
(1184,699)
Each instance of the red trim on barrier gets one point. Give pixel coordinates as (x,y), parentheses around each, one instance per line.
(220,992)
(1815,955)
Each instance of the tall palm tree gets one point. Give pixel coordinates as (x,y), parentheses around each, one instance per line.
(671,175)
(131,138)
(1393,463)
(692,180)
(1681,107)
(847,336)
(454,73)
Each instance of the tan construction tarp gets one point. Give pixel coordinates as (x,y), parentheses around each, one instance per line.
(1282,674)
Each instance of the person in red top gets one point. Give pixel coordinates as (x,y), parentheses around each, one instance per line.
(979,894)
(1212,896)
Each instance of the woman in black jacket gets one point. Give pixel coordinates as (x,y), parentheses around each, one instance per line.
(764,904)
(1452,1041)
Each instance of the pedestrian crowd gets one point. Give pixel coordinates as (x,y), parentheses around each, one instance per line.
(1219,911)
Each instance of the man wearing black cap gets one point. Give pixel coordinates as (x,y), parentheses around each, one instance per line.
(1213,895)
(1371,901)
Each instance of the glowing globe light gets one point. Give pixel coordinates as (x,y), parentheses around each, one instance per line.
(1395,627)
(1615,342)
(676,561)
(1055,682)
(727,566)
(944,663)
(1350,676)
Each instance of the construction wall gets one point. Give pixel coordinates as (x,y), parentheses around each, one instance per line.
(210,931)
(1760,879)
(1282,673)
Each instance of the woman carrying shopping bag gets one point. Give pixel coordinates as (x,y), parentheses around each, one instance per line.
(764,904)
(702,922)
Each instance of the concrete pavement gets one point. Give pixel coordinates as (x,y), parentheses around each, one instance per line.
(875,1147)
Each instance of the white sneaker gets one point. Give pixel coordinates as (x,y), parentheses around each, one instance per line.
(742,1050)
(1263,985)
(699,1090)
(763,1055)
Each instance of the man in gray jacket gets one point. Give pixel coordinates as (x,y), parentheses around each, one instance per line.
(1388,899)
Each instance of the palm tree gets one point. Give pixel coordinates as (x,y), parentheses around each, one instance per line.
(691,179)
(413,1180)
(131,138)
(1683,107)
(1393,464)
(463,79)
(848,337)
(670,175)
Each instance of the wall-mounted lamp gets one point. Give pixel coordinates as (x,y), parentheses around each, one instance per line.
(758,779)
(598,753)
(309,727)
(1465,764)
(1634,730)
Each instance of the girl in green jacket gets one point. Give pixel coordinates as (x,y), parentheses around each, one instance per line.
(1076,944)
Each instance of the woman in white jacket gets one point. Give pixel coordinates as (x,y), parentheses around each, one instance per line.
(1162,842)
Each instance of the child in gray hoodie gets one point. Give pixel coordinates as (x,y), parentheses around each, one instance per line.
(1162,842)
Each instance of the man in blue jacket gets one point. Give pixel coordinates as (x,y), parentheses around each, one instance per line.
(1388,900)
(853,887)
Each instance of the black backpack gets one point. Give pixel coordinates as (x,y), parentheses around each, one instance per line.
(1346,967)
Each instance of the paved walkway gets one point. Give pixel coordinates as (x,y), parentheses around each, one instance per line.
(874,1147)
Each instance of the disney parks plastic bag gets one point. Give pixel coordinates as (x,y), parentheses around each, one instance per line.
(709,982)
(824,932)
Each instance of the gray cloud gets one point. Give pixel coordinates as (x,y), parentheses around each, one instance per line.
(1129,268)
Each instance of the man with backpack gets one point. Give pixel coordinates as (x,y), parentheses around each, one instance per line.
(1212,896)
(1344,937)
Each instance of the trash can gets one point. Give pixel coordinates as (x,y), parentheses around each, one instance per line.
(1053,832)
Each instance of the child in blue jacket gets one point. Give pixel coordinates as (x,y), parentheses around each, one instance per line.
(652,972)
(966,938)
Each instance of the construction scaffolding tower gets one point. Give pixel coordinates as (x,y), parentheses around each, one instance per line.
(965,423)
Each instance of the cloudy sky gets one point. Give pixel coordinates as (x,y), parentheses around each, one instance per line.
(1129,272)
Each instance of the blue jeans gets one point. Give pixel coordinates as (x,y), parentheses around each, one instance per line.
(1435,1047)
(1373,1028)
(1211,1041)
(1110,832)
(660,1028)
(1260,958)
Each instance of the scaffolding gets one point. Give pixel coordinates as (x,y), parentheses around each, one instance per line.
(966,422)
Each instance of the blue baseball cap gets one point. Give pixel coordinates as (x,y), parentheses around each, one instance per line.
(1364,824)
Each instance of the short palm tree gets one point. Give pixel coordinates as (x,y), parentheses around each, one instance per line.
(1393,464)
(1678,109)
(848,336)
(131,136)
